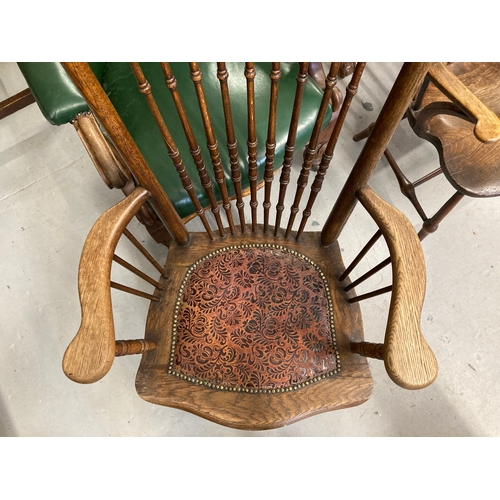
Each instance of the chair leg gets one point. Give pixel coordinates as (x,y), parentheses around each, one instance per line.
(431,225)
(406,187)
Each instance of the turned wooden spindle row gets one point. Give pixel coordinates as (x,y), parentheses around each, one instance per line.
(232,147)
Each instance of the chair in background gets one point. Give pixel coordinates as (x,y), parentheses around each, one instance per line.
(449,103)
(249,325)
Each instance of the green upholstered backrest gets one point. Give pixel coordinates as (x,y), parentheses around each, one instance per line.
(60,101)
(121,87)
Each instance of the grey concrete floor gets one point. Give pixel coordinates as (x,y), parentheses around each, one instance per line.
(51,195)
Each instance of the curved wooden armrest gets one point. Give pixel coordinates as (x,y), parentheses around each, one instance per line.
(487,128)
(408,359)
(91,353)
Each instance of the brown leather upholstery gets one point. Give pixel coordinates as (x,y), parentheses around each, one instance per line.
(255,318)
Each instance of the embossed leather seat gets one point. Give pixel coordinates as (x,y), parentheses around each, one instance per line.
(250,324)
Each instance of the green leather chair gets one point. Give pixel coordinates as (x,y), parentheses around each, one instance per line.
(61,103)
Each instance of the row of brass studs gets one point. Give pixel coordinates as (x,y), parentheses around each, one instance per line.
(211,385)
(82,113)
(253,391)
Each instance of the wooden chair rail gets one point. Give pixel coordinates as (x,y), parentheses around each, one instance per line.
(90,355)
(16,102)
(408,359)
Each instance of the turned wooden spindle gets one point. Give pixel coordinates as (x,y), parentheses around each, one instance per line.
(310,150)
(144,252)
(360,255)
(271,142)
(173,152)
(128,347)
(368,349)
(369,295)
(213,148)
(351,91)
(232,146)
(406,187)
(133,291)
(137,272)
(252,141)
(430,225)
(290,144)
(194,148)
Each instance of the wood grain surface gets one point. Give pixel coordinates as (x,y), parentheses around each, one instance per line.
(90,355)
(352,386)
(488,124)
(408,359)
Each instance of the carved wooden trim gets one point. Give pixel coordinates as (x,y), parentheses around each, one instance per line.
(105,159)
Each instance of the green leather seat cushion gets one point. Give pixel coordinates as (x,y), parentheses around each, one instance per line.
(121,87)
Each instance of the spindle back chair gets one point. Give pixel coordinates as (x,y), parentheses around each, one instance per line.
(249,325)
(61,103)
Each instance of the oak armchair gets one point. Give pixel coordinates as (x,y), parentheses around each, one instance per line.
(250,323)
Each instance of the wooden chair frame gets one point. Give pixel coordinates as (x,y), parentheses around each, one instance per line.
(407,357)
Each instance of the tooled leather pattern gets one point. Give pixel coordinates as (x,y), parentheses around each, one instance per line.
(256,318)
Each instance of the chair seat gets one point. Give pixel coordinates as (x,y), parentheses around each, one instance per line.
(121,87)
(246,312)
(281,355)
(471,166)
